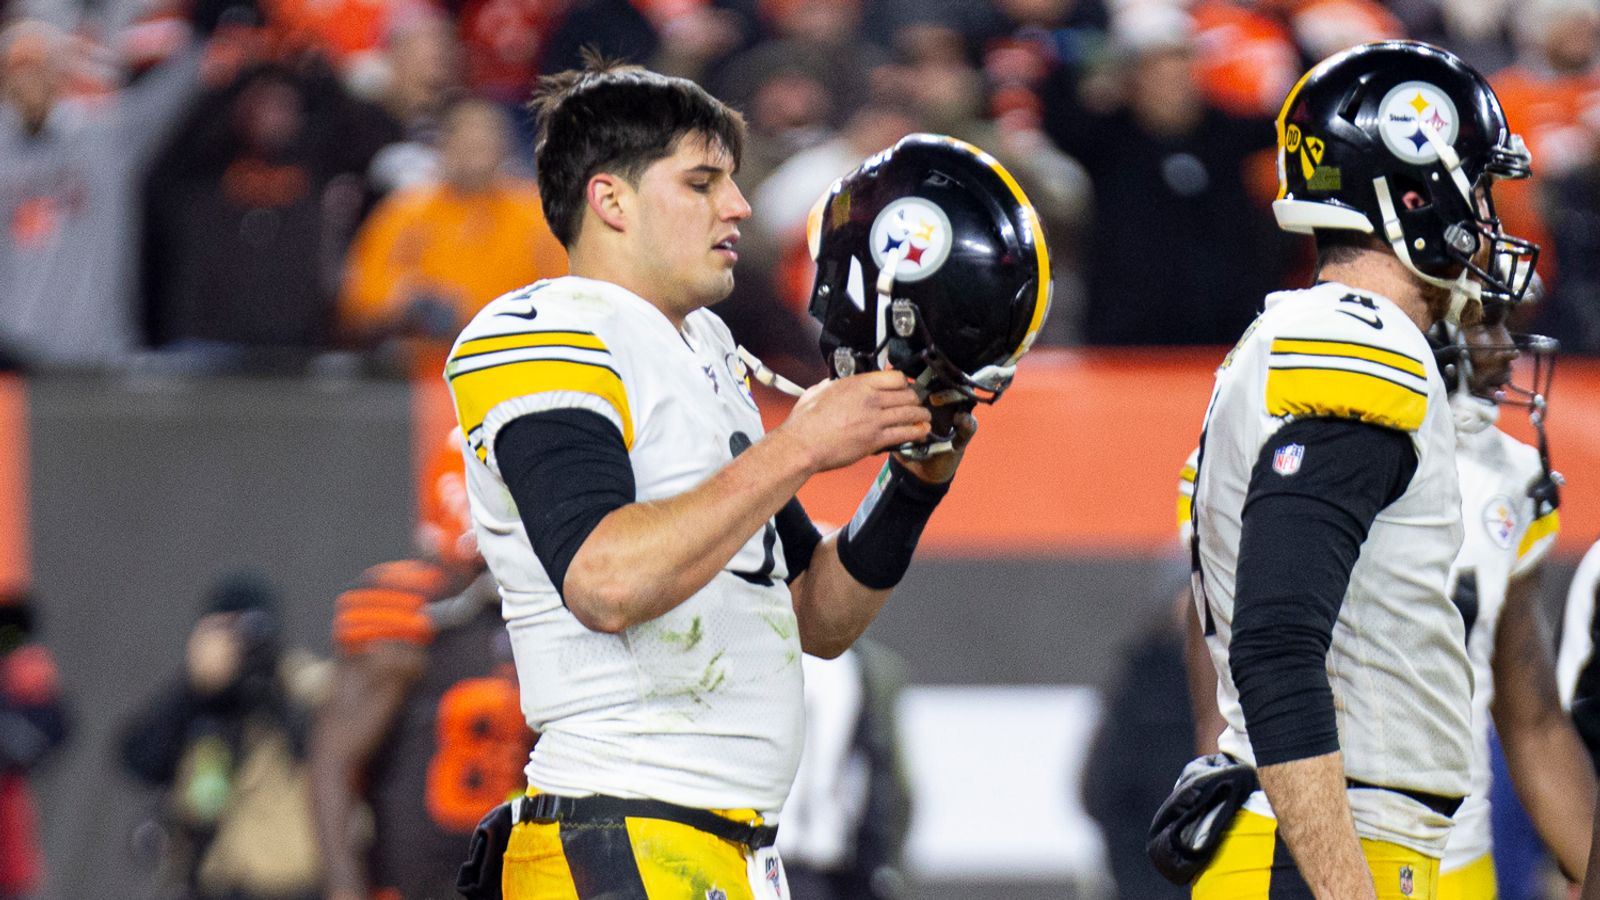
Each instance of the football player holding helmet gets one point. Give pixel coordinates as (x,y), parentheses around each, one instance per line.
(930,261)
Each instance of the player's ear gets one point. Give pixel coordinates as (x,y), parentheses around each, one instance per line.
(1413,200)
(607,196)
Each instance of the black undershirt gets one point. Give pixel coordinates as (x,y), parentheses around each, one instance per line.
(568,468)
(1301,536)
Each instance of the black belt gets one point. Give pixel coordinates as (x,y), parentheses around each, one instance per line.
(1444,806)
(598,809)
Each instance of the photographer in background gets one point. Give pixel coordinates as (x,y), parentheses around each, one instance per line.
(225,745)
(32,724)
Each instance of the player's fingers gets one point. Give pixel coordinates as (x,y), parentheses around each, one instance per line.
(906,415)
(905,434)
(883,379)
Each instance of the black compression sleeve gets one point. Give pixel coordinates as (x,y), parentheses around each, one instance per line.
(566,469)
(799,536)
(1302,533)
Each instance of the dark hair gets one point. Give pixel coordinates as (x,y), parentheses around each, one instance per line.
(620,119)
(1335,246)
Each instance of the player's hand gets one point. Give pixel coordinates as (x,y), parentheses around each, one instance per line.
(941,467)
(840,421)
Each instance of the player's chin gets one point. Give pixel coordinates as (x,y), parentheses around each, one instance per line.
(716,288)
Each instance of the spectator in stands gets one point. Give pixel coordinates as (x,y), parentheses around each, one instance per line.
(1170,176)
(417,79)
(773,240)
(248,213)
(33,724)
(224,744)
(69,182)
(818,37)
(947,92)
(1552,98)
(429,258)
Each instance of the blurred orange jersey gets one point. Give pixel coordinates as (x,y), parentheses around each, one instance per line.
(1246,62)
(437,243)
(340,27)
(459,743)
(1557,115)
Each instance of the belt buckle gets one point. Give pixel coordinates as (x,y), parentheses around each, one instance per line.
(543,808)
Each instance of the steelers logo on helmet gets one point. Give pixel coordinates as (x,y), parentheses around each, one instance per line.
(1409,112)
(919,231)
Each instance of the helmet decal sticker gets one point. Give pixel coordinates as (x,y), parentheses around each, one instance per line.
(919,231)
(1408,109)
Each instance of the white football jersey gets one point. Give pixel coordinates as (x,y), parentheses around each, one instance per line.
(1504,539)
(703,705)
(1398,667)
(1577,643)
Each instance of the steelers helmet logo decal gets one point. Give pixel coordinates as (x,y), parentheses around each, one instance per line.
(916,230)
(1409,112)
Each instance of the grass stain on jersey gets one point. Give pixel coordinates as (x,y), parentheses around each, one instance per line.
(783,626)
(712,679)
(686,640)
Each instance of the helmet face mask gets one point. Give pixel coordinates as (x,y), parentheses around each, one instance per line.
(930,261)
(1404,141)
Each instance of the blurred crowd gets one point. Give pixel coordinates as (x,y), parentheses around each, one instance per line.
(225,185)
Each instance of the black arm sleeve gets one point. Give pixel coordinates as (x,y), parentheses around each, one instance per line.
(566,469)
(1301,536)
(799,535)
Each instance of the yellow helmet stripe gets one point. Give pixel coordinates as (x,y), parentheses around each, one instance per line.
(1041,304)
(1283,123)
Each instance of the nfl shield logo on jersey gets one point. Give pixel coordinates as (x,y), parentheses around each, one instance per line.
(772,875)
(716,894)
(1406,881)
(1286,459)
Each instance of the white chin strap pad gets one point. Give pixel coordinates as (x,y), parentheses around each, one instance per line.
(1462,288)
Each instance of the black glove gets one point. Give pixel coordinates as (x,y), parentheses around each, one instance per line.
(1190,825)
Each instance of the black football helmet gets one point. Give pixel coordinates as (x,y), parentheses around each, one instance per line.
(1372,123)
(930,261)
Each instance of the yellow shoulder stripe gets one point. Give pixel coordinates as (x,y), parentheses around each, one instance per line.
(579,339)
(1185,510)
(1542,527)
(1344,394)
(1350,350)
(1187,474)
(481,390)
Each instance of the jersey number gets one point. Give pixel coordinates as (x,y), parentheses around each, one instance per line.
(482,744)
(1466,599)
(738,443)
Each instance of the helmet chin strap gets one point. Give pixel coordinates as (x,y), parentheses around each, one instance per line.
(1472,413)
(1462,288)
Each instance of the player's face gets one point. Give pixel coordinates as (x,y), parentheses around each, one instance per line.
(689,212)
(1492,350)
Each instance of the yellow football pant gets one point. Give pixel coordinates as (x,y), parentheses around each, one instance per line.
(1473,881)
(636,858)
(1252,864)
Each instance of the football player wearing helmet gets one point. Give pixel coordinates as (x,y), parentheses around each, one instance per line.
(1509,500)
(1326,503)
(658,578)
(421,725)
